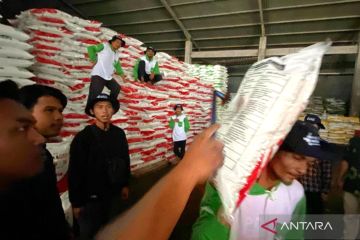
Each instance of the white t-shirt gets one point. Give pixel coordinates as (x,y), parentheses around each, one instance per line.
(106,59)
(179,133)
(148,64)
(258,209)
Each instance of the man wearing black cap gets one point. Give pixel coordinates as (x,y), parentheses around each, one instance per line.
(276,193)
(146,68)
(99,168)
(317,180)
(105,57)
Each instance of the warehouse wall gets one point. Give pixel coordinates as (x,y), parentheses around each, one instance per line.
(334,86)
(328,86)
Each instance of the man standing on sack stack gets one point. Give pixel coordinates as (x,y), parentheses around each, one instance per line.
(105,56)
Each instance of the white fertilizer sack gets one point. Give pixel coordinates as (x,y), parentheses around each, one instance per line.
(272,95)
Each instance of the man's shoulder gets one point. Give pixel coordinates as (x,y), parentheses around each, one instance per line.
(84,133)
(117,129)
(295,190)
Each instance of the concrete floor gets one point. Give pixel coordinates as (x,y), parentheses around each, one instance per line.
(141,184)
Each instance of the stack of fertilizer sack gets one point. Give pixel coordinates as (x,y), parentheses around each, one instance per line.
(215,75)
(335,106)
(15,57)
(339,129)
(59,43)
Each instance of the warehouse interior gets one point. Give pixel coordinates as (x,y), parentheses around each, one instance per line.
(217,25)
(234,34)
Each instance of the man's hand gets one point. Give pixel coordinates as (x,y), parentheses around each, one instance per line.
(152,76)
(93,62)
(339,184)
(205,155)
(125,193)
(124,78)
(142,80)
(324,197)
(77,212)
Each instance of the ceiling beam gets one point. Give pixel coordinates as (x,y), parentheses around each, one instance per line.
(125,11)
(179,23)
(73,8)
(255,36)
(237,25)
(261,18)
(251,46)
(269,9)
(146,9)
(269,52)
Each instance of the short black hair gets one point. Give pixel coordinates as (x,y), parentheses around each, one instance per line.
(30,94)
(9,90)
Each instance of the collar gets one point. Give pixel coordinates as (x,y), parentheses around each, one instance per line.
(257,189)
(149,58)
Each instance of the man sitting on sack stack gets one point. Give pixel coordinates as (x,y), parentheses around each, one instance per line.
(146,68)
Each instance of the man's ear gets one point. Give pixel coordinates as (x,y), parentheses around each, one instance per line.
(92,112)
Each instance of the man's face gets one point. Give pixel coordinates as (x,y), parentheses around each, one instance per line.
(178,111)
(103,111)
(48,114)
(20,143)
(288,166)
(150,53)
(116,44)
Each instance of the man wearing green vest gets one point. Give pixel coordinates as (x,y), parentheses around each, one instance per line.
(105,56)
(275,198)
(146,68)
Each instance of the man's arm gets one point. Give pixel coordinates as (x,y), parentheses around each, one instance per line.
(171,123)
(77,174)
(156,69)
(343,168)
(187,124)
(93,50)
(118,68)
(159,210)
(136,68)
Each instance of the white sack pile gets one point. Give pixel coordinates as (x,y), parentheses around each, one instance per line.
(216,75)
(14,56)
(339,129)
(59,43)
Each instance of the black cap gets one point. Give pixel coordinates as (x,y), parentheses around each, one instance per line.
(303,139)
(150,48)
(117,37)
(178,106)
(314,119)
(100,98)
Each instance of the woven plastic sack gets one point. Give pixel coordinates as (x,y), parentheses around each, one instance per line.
(272,94)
